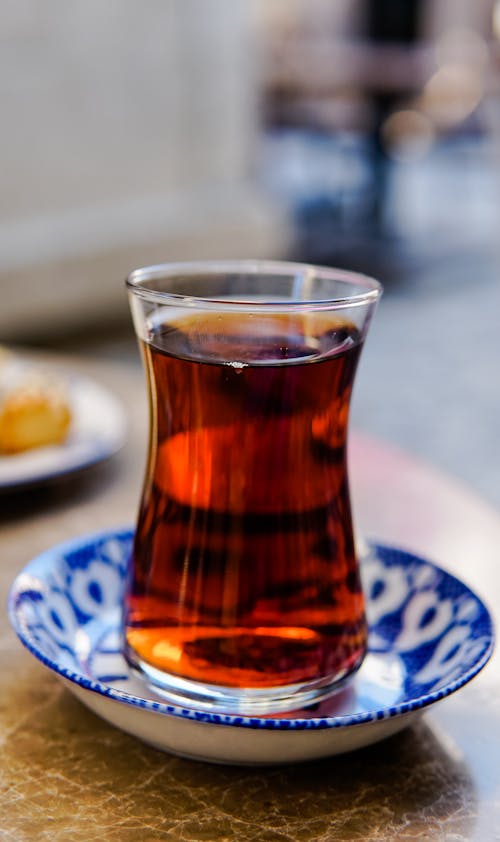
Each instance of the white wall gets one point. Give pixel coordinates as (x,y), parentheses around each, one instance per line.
(128,133)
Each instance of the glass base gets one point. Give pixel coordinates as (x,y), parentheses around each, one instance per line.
(237,700)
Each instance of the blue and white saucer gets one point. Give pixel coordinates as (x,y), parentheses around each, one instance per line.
(429,635)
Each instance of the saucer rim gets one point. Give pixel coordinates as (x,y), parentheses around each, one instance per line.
(44,561)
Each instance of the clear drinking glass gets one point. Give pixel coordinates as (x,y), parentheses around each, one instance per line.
(243,592)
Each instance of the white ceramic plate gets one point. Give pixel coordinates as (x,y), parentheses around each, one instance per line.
(97,431)
(428,636)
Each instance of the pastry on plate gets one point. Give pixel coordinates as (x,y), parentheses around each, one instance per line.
(34,406)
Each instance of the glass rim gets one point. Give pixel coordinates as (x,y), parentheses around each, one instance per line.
(302,272)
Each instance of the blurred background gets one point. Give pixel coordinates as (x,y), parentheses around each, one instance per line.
(357,133)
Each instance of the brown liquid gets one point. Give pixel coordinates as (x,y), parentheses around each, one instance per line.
(244,571)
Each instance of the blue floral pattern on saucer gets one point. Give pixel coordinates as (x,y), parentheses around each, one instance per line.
(428,635)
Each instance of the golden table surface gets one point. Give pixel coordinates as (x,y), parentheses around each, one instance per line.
(67,775)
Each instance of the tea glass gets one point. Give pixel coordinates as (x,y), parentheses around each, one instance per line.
(243,591)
